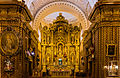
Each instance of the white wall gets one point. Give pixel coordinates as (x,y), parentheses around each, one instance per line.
(92,2)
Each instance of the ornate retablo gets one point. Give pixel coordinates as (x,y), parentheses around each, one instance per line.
(60,46)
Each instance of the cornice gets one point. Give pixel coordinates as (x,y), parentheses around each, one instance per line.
(20,4)
(98,5)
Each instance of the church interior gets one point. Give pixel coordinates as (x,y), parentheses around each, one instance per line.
(59,38)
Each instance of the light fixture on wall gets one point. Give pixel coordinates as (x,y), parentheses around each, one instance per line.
(32,53)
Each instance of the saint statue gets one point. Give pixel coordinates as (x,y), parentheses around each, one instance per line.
(60,48)
(8,65)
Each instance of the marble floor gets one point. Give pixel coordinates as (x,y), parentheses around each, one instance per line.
(63,77)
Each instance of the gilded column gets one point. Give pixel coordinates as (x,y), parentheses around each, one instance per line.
(78,38)
(65,50)
(43,62)
(52,53)
(52,46)
(68,55)
(41,36)
(68,47)
(77,59)
(68,36)
(52,37)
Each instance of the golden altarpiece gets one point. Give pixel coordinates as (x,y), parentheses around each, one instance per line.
(60,47)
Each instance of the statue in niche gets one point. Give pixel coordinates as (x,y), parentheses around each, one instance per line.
(60,53)
(8,65)
(48,58)
(60,49)
(72,59)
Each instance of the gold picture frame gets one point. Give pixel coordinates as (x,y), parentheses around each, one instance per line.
(111,50)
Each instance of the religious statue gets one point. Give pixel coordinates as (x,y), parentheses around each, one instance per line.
(8,65)
(60,48)
(48,59)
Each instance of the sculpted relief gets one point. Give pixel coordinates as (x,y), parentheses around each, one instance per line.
(9,43)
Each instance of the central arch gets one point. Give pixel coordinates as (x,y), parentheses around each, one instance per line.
(60,6)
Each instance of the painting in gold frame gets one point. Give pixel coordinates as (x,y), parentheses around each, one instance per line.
(111,50)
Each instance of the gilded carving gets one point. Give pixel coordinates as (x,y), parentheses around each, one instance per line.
(62,38)
(106,36)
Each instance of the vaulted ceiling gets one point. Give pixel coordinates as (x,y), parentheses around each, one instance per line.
(35,5)
(42,10)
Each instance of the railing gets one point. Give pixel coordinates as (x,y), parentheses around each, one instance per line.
(60,73)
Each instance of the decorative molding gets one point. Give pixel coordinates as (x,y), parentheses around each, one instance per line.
(46,11)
